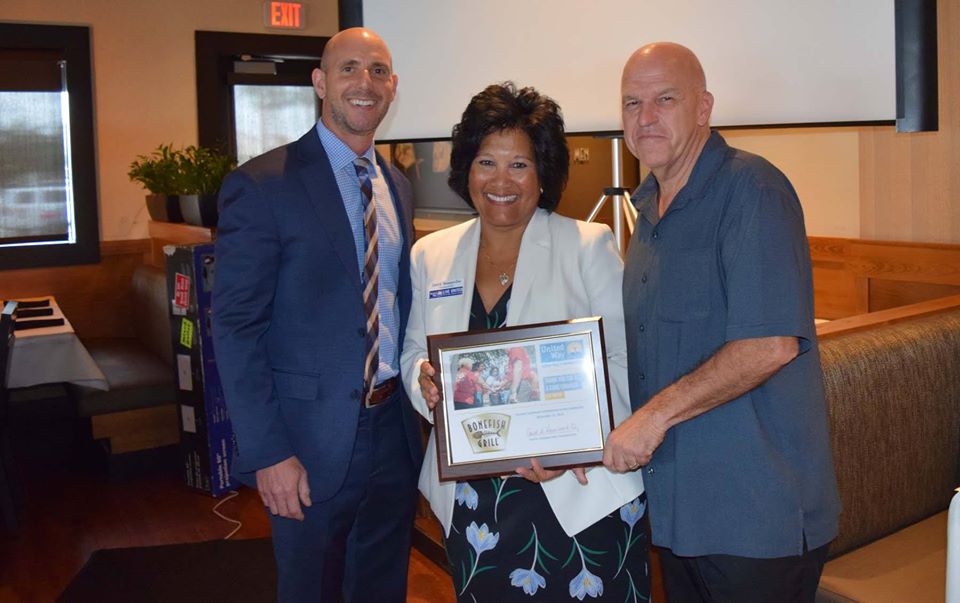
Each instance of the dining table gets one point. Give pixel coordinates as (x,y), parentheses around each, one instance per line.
(46,349)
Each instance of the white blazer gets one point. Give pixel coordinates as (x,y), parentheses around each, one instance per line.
(566,269)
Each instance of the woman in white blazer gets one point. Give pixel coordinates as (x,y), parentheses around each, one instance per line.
(542,535)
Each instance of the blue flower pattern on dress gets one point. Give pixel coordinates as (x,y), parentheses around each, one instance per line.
(481,539)
(528,579)
(466,495)
(585,583)
(630,513)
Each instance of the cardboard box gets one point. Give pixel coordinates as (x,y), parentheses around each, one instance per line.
(206,435)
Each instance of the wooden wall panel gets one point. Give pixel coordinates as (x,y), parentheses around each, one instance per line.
(886,294)
(836,291)
(854,276)
(166,233)
(910,262)
(910,182)
(93,296)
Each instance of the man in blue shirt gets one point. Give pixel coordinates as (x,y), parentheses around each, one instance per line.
(309,308)
(729,417)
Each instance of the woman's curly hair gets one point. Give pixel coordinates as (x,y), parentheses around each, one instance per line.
(501,107)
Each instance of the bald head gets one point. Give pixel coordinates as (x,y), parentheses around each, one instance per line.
(353,37)
(668,56)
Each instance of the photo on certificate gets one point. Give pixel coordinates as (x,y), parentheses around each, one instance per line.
(512,394)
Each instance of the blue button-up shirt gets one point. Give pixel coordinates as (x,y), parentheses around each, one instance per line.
(729,260)
(389,238)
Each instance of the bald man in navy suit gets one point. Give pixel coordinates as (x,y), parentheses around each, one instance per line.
(307,327)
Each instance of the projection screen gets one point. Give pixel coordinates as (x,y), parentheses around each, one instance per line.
(768,62)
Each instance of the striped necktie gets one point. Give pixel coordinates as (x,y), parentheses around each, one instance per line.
(371,273)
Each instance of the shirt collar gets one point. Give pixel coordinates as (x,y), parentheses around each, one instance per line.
(339,153)
(714,152)
(645,198)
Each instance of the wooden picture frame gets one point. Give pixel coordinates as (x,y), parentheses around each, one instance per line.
(512,394)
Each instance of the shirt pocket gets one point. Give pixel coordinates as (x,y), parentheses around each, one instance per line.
(299,386)
(685,280)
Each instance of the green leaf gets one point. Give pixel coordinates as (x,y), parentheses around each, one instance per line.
(545,551)
(192,170)
(542,566)
(573,550)
(506,494)
(527,546)
(483,569)
(591,551)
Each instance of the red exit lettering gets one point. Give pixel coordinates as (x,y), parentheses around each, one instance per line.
(286,15)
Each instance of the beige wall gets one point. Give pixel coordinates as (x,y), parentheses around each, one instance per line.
(145,79)
(823,164)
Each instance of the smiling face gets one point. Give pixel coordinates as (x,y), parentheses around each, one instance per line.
(666,108)
(503,182)
(357,84)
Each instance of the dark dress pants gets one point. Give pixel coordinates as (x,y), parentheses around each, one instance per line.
(355,546)
(730,579)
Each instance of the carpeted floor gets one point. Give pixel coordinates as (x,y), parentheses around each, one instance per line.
(219,570)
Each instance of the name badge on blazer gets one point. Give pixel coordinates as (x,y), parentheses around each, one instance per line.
(445,289)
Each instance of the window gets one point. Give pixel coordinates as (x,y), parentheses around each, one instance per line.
(266,117)
(48,203)
(254,91)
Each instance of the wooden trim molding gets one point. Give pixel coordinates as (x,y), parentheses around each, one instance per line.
(125,247)
(856,276)
(881,317)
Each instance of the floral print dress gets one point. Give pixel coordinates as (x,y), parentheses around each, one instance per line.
(505,544)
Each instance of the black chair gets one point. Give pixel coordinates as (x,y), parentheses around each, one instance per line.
(9,484)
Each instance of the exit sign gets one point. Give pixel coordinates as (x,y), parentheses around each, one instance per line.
(284,15)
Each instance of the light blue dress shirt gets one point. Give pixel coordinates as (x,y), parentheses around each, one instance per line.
(390,241)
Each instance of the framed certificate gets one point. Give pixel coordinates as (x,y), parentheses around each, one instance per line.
(516,393)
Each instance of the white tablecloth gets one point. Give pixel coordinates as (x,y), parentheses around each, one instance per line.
(51,355)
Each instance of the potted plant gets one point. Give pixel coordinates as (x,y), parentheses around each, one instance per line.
(161,174)
(203,170)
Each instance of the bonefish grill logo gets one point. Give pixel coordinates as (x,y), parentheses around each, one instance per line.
(487,432)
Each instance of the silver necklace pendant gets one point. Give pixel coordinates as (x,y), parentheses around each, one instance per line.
(504,278)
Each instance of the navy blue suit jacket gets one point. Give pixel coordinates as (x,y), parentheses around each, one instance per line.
(288,317)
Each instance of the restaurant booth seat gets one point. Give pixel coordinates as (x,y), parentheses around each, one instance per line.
(139,410)
(893,397)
